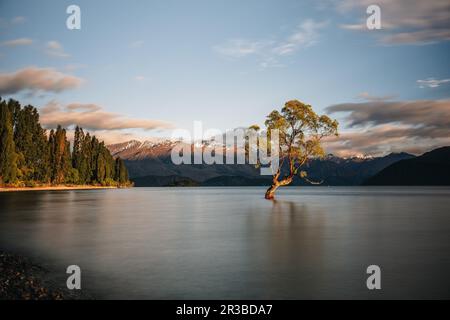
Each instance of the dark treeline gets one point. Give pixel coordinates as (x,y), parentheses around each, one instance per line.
(28,156)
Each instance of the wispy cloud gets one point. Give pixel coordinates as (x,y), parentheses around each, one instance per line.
(381,140)
(377,127)
(54,48)
(139,78)
(34,79)
(404,21)
(270,51)
(17,42)
(18,20)
(73,67)
(238,48)
(357,27)
(92,116)
(137,44)
(435,113)
(431,82)
(112,136)
(306,35)
(368,97)
(7,22)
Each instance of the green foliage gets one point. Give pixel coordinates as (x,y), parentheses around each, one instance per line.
(28,157)
(300,131)
(31,143)
(108,182)
(121,172)
(8,155)
(72,176)
(60,157)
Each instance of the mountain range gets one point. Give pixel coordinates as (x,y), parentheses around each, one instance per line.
(431,168)
(149,164)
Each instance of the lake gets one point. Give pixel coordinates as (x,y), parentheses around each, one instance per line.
(231,243)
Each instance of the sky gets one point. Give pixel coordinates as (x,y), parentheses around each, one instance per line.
(139,69)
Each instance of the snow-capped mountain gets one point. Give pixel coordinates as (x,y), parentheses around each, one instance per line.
(150,160)
(139,150)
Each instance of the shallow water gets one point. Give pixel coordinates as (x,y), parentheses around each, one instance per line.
(230,243)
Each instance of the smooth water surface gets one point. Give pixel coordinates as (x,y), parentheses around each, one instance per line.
(231,243)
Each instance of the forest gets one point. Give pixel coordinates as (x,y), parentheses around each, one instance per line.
(31,156)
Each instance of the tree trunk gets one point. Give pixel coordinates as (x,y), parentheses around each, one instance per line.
(270,193)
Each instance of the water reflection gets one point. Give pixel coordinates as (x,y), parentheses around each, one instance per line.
(230,243)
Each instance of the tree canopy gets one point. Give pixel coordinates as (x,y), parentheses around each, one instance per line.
(300,132)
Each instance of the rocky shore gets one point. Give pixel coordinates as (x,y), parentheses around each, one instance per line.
(21,279)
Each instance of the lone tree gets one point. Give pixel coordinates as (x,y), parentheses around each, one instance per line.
(300,132)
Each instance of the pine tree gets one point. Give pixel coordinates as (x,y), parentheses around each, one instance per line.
(121,172)
(86,166)
(8,156)
(60,155)
(77,144)
(31,143)
(80,156)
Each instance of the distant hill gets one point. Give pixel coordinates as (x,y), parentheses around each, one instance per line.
(430,169)
(164,181)
(335,171)
(149,164)
(237,181)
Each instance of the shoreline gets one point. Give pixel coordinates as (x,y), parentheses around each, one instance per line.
(56,188)
(22,279)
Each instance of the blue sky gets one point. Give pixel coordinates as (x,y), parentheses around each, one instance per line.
(226,63)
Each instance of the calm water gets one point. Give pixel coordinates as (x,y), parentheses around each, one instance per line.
(230,243)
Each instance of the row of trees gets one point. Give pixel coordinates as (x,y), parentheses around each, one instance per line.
(28,155)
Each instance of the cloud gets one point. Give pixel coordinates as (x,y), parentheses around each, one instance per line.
(37,79)
(431,82)
(238,48)
(139,78)
(54,48)
(72,67)
(137,44)
(6,23)
(269,51)
(404,21)
(382,140)
(111,136)
(421,37)
(17,42)
(366,96)
(83,107)
(306,35)
(358,27)
(418,112)
(18,20)
(377,127)
(94,117)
